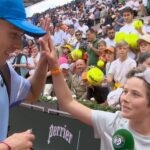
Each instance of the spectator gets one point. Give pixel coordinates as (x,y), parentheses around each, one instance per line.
(98,92)
(108,20)
(97,15)
(92,48)
(66,73)
(101,48)
(71,39)
(147,27)
(77,86)
(81,43)
(110,57)
(30,43)
(66,49)
(144,59)
(110,36)
(82,27)
(121,66)
(144,43)
(128,16)
(20,63)
(119,21)
(75,23)
(35,57)
(142,10)
(103,13)
(113,98)
(59,36)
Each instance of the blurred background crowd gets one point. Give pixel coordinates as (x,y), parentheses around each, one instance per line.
(97,42)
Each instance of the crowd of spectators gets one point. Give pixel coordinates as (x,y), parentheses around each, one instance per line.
(90,27)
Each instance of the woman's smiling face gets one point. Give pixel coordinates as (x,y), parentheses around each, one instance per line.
(134,100)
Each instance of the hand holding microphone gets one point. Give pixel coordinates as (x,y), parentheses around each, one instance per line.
(123,140)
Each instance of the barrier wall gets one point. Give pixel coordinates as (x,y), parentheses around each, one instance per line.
(55,130)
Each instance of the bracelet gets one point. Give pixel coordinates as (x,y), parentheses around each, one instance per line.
(55,71)
(8,146)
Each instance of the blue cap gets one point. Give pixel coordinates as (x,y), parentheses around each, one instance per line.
(13,11)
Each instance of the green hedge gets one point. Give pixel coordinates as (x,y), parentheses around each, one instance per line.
(88,103)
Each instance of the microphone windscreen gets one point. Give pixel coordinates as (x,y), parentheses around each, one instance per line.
(123,140)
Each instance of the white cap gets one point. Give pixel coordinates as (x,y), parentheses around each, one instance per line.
(114,96)
(64,66)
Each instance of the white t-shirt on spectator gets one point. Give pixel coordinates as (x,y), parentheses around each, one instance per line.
(88,3)
(120,69)
(31,62)
(131,54)
(83,28)
(128,28)
(146,28)
(130,4)
(110,42)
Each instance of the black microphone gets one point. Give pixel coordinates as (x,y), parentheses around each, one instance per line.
(123,140)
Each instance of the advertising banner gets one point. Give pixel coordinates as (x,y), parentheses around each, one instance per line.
(52,130)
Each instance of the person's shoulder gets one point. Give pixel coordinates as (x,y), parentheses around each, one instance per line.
(11,69)
(116,61)
(74,76)
(96,41)
(61,31)
(126,27)
(23,56)
(106,39)
(121,19)
(114,117)
(129,59)
(85,26)
(123,27)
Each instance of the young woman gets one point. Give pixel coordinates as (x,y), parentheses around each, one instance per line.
(135,107)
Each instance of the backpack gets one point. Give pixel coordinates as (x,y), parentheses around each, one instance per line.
(5,73)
